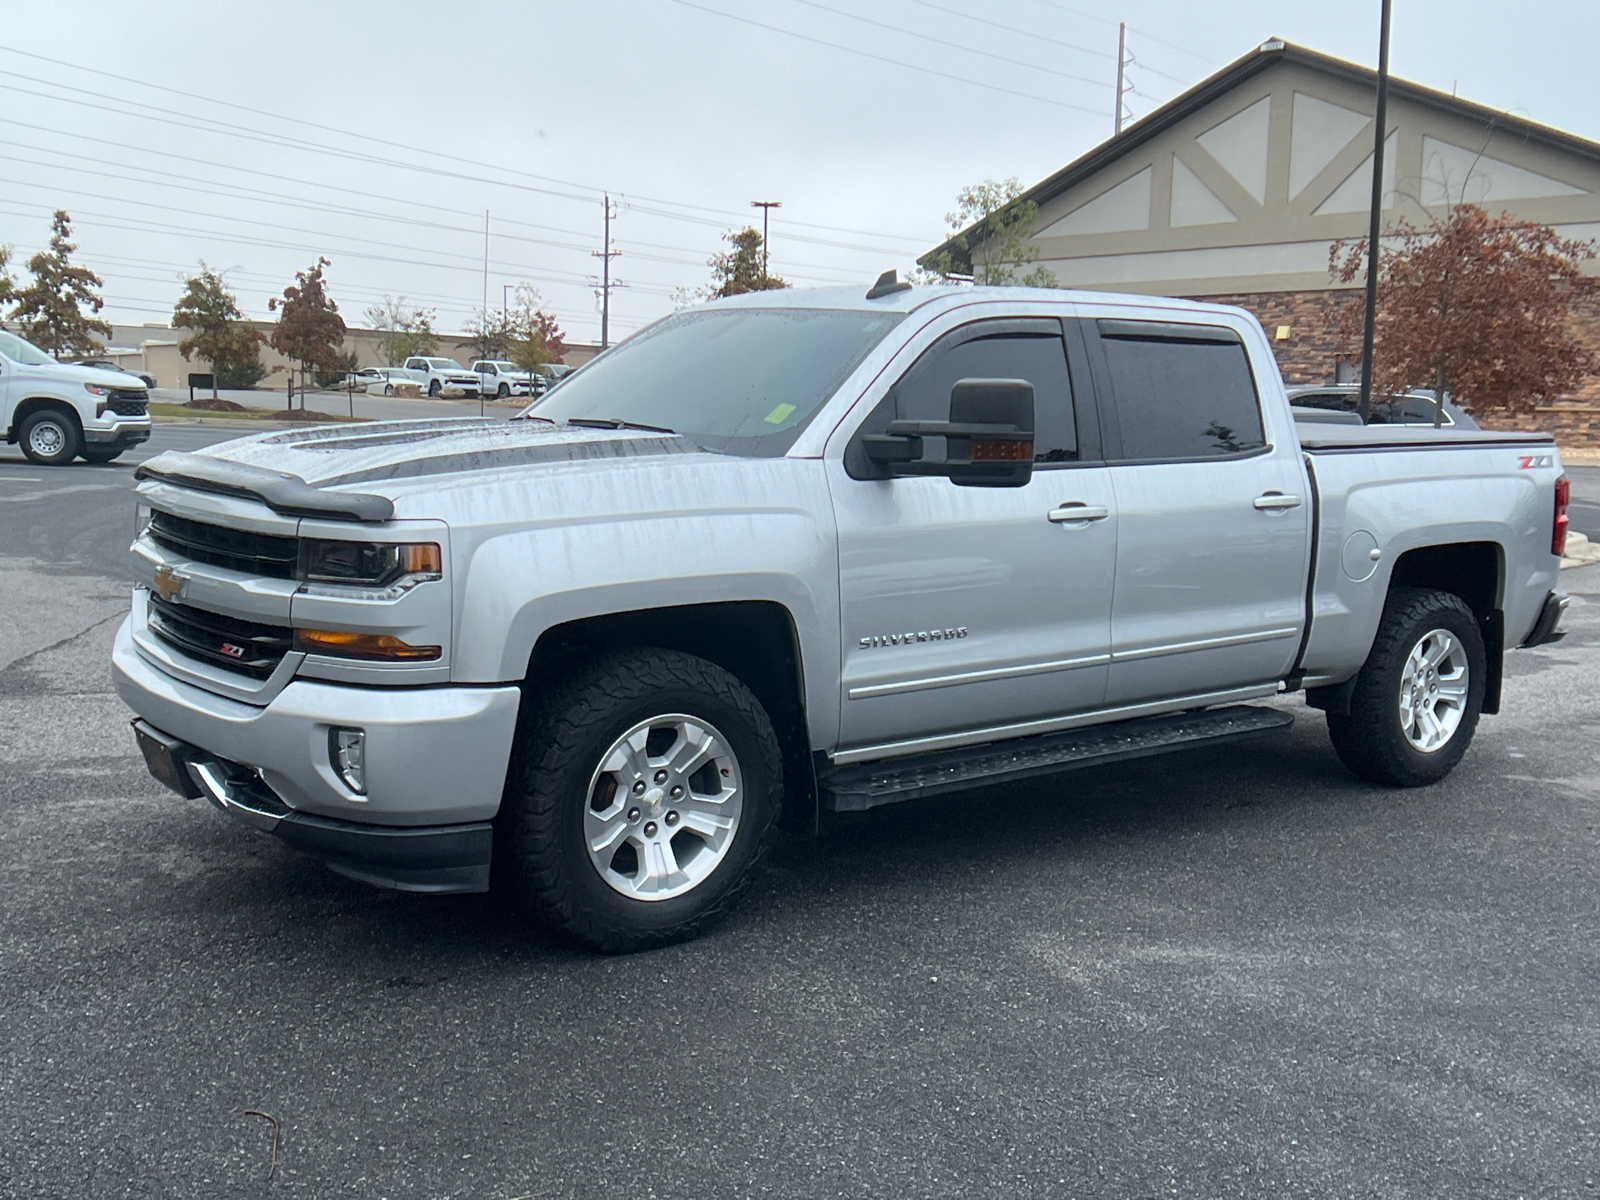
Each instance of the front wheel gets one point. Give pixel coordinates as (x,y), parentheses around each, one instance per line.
(48,438)
(641,797)
(505,390)
(1416,701)
(435,388)
(388,389)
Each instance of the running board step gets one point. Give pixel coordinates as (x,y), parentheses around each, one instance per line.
(862,786)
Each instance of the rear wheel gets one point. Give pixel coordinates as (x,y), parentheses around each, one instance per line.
(48,438)
(388,389)
(641,799)
(1416,701)
(101,454)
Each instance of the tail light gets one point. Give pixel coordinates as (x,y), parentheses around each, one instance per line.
(1558,531)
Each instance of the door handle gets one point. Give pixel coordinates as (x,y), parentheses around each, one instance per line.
(1276,500)
(1079,511)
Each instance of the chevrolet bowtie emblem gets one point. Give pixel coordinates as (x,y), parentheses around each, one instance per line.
(169,583)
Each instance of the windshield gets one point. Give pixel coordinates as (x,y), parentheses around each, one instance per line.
(24,353)
(444,364)
(743,380)
(501,365)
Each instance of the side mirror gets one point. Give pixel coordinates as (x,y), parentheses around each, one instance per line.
(988,440)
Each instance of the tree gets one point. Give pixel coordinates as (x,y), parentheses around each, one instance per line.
(1476,305)
(50,310)
(536,339)
(990,231)
(742,268)
(403,330)
(490,333)
(310,331)
(220,334)
(7,281)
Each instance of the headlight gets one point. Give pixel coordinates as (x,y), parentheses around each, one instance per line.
(99,389)
(369,564)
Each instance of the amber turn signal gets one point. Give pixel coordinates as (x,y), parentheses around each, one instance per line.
(372,647)
(999,450)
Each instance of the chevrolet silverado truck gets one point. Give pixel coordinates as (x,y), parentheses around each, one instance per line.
(438,375)
(61,411)
(806,552)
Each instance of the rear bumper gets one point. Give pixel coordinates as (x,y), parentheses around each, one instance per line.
(437,859)
(1544,629)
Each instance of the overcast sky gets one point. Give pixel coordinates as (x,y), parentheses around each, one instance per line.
(863,117)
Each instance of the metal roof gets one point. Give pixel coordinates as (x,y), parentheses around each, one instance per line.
(1266,56)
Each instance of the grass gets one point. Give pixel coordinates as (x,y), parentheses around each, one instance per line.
(162,408)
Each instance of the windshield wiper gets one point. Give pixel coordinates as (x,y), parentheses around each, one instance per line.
(533,417)
(616,423)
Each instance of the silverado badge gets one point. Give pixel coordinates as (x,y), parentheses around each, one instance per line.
(918,635)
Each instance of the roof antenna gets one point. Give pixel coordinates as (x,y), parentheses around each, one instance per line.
(888,284)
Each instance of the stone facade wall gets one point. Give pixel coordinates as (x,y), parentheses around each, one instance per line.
(1308,355)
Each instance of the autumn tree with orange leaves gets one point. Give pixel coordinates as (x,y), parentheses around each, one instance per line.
(1473,305)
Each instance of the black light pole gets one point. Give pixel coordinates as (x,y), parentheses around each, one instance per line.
(1369,326)
(766,207)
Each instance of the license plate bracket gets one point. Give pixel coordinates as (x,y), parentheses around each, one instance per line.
(166,758)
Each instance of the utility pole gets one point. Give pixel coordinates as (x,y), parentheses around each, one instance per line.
(1380,121)
(485,308)
(605,256)
(1122,62)
(505,306)
(766,207)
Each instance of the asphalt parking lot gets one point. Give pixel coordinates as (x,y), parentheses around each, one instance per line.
(1237,972)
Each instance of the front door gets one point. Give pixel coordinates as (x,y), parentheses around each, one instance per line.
(1213,539)
(970,608)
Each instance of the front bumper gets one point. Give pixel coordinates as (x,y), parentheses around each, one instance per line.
(435,755)
(451,858)
(121,433)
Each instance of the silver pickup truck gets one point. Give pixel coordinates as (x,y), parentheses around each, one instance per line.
(807,552)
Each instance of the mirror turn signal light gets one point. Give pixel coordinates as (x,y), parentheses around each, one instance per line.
(371,647)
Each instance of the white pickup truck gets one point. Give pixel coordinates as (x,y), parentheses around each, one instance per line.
(59,411)
(803,552)
(435,376)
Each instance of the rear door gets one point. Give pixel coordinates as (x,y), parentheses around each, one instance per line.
(967,608)
(1214,513)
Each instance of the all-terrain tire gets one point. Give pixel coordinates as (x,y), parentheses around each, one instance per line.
(559,748)
(49,437)
(1372,740)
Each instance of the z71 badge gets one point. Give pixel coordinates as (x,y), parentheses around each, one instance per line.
(906,639)
(1532,462)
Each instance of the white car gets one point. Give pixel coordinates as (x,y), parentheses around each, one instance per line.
(59,411)
(440,375)
(502,379)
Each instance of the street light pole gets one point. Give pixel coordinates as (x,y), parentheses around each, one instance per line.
(766,207)
(1380,121)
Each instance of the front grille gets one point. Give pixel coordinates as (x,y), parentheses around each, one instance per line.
(244,646)
(129,403)
(237,549)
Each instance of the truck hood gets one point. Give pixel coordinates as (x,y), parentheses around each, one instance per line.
(72,373)
(357,470)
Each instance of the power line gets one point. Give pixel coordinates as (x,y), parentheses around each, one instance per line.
(894,62)
(594,192)
(1089,16)
(1015,62)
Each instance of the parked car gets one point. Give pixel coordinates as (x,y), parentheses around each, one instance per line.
(61,411)
(440,375)
(366,377)
(106,364)
(501,379)
(903,542)
(1415,407)
(548,375)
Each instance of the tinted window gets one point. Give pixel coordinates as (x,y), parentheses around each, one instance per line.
(924,393)
(1183,399)
(739,380)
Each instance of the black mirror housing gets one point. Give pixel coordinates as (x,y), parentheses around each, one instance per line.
(988,439)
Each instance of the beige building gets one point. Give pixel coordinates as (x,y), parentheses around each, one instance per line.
(153,347)
(1236,189)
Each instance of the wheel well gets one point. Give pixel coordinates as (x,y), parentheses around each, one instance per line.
(755,641)
(1475,571)
(34,404)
